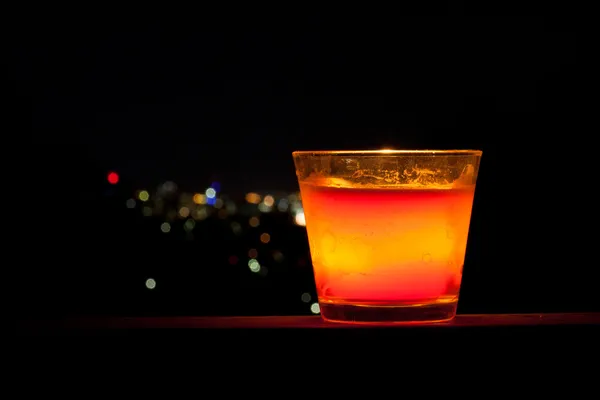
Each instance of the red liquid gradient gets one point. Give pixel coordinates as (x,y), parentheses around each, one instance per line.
(389,246)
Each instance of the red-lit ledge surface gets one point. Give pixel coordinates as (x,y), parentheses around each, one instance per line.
(306,322)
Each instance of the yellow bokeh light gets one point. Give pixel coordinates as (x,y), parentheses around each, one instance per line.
(265,238)
(199,198)
(200,214)
(184,212)
(253,198)
(143,195)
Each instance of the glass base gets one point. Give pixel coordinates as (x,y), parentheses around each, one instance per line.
(388,315)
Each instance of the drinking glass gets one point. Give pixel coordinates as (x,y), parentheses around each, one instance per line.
(387,231)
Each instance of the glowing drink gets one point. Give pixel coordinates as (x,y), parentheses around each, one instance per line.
(387,231)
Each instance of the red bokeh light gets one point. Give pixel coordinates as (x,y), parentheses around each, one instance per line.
(113,178)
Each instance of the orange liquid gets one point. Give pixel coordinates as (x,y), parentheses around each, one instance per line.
(389,246)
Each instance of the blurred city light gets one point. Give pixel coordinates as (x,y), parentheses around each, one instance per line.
(211,193)
(299,219)
(263,207)
(199,198)
(189,225)
(143,195)
(253,198)
(180,214)
(269,200)
(254,222)
(254,265)
(265,238)
(113,178)
(278,256)
(283,205)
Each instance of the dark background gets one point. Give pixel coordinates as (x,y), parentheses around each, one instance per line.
(215,97)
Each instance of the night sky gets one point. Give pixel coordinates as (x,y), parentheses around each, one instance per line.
(229,99)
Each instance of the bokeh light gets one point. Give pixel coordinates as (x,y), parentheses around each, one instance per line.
(171,214)
(211,193)
(189,225)
(230,207)
(269,200)
(299,219)
(113,178)
(236,228)
(254,222)
(253,198)
(283,205)
(278,256)
(262,207)
(200,214)
(254,265)
(168,188)
(199,198)
(195,215)
(265,238)
(143,195)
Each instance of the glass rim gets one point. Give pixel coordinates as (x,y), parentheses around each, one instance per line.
(383,152)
